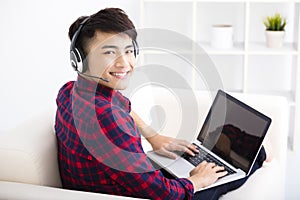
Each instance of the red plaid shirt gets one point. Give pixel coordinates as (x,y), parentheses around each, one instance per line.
(99,146)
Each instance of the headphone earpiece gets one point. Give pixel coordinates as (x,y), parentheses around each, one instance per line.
(77,57)
(135,48)
(76,60)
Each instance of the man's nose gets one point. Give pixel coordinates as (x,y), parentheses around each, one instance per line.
(122,61)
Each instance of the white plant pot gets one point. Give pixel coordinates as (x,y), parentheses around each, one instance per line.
(274,38)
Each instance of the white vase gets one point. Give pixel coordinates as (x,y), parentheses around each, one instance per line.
(274,38)
(221,36)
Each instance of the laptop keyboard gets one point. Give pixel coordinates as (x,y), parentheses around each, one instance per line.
(203,155)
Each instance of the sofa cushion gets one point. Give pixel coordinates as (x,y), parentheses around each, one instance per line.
(263,184)
(21,191)
(28,152)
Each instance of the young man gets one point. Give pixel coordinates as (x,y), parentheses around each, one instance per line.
(99,136)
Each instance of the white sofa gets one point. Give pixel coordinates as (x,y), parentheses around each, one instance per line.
(29,168)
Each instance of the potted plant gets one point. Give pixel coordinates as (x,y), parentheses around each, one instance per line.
(274,30)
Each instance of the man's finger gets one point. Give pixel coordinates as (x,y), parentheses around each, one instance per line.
(219,168)
(178,147)
(221,174)
(188,145)
(194,148)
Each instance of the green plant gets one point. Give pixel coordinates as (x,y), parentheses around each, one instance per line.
(275,23)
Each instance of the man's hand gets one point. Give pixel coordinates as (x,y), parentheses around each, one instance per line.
(166,146)
(205,174)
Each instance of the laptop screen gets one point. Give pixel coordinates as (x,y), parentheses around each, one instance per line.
(234,131)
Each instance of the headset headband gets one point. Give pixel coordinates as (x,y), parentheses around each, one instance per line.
(76,34)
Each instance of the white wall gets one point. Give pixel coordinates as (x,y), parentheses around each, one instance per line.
(34,51)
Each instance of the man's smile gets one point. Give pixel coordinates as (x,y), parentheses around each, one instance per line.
(120,75)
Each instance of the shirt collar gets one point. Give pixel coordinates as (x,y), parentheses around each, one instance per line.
(97,89)
(94,88)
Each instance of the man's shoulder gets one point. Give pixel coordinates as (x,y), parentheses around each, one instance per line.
(66,87)
(64,91)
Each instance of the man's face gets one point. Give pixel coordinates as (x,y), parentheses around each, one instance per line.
(111,56)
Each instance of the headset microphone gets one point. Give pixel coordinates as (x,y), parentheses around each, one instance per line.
(103,79)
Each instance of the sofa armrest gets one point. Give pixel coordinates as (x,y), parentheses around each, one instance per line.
(28,152)
(22,191)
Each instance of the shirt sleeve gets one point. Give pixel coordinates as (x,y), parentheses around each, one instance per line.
(118,146)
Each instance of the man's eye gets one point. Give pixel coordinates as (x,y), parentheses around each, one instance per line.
(129,51)
(109,52)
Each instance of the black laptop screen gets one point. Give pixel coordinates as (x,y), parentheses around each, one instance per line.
(234,131)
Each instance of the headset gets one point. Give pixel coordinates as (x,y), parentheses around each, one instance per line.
(77,58)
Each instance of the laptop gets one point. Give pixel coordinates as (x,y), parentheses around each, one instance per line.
(231,136)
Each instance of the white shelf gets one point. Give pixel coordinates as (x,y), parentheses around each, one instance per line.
(225,1)
(249,66)
(260,48)
(290,95)
(237,49)
(169,1)
(254,48)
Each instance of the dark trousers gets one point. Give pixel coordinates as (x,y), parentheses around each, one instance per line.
(215,192)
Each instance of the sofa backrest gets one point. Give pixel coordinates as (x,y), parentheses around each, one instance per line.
(28,152)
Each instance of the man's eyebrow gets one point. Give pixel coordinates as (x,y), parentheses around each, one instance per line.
(129,46)
(115,47)
(109,47)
